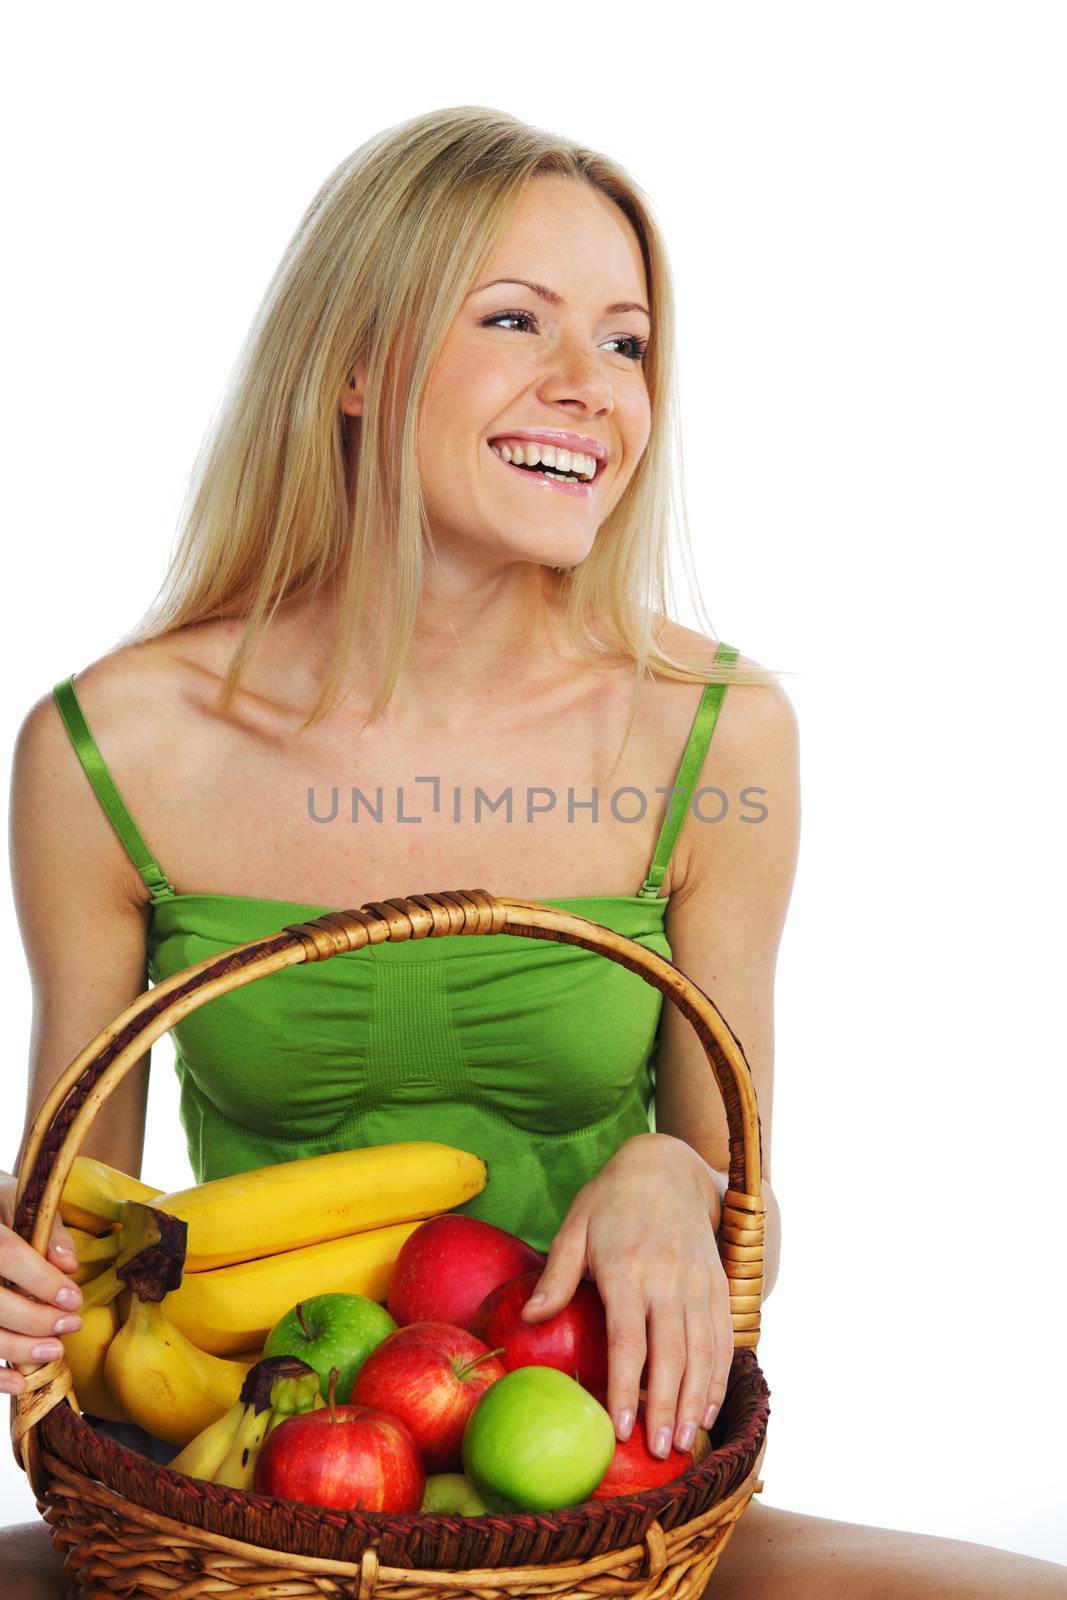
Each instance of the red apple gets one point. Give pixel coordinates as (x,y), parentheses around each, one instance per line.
(447,1266)
(633,1466)
(350,1457)
(575,1340)
(430,1375)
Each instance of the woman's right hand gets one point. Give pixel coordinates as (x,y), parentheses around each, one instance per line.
(43,1300)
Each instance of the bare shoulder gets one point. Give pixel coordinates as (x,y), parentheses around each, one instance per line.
(135,702)
(755,719)
(750,776)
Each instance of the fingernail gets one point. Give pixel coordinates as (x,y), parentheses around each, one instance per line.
(686,1434)
(626,1422)
(64,1250)
(67,1325)
(709,1416)
(533,1303)
(49,1351)
(11,1382)
(663,1442)
(69,1297)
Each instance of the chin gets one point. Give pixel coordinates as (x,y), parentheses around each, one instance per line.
(562,556)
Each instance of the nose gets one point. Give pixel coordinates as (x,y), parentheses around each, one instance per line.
(574,375)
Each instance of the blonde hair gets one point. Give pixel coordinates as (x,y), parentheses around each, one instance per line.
(375,273)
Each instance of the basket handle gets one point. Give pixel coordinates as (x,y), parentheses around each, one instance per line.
(67,1113)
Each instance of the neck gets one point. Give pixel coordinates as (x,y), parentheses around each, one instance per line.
(478,641)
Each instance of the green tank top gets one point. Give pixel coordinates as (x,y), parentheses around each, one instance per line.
(485,1042)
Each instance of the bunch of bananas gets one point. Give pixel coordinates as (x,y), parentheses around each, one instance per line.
(181,1290)
(226,1450)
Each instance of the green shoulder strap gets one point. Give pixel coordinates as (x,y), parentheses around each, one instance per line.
(685,782)
(108,795)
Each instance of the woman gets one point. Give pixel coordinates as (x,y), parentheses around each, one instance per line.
(376,590)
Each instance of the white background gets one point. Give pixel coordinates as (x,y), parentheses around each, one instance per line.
(864,206)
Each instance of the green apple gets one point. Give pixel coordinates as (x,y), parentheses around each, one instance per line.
(453,1491)
(537,1441)
(331,1330)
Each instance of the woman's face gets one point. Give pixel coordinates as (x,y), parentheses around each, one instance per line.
(514,360)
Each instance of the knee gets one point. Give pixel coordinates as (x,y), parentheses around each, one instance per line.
(31,1566)
(780,1553)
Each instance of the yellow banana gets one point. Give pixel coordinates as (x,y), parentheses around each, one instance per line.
(295,1203)
(164,1382)
(93,1194)
(227,1310)
(239,1463)
(87,1353)
(203,1454)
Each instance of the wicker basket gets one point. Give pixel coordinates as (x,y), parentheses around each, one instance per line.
(128,1527)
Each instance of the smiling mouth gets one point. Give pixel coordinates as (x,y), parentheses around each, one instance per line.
(548,470)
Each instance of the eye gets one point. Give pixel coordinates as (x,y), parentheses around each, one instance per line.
(634,353)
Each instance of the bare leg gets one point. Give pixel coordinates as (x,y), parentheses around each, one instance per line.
(781,1555)
(30,1566)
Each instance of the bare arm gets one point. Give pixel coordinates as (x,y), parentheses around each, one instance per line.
(724,925)
(85,937)
(83,930)
(645,1226)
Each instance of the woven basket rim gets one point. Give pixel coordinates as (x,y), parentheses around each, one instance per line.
(614,1524)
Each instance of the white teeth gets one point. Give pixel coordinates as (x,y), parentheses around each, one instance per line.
(530,454)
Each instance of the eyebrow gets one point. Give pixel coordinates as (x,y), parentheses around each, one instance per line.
(554,299)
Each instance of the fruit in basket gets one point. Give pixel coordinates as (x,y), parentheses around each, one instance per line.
(298,1203)
(152,1370)
(448,1266)
(229,1309)
(331,1330)
(430,1375)
(227,1450)
(94,1193)
(633,1467)
(575,1340)
(537,1441)
(104,1308)
(86,1352)
(350,1457)
(453,1492)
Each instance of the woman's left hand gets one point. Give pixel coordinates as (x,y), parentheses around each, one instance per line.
(644,1230)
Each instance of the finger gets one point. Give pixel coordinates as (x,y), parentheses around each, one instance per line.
(27,1350)
(23,1267)
(700,1353)
(561,1275)
(21,1315)
(666,1364)
(62,1249)
(624,1315)
(724,1353)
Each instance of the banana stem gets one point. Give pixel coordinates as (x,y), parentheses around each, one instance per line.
(89,1247)
(152,1259)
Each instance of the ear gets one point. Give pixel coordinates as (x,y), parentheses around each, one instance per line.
(352,394)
